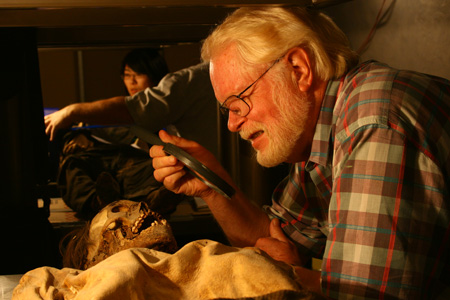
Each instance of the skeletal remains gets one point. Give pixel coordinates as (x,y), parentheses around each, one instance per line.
(120,225)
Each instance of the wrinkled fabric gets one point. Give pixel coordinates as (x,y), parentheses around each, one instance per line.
(200,270)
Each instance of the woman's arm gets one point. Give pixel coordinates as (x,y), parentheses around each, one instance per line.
(105,112)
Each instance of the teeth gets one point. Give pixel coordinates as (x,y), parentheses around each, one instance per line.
(112,225)
(136,225)
(141,220)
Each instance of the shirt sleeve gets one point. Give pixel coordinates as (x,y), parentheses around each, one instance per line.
(184,100)
(297,202)
(178,96)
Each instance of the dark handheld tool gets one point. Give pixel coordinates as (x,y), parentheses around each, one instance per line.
(195,167)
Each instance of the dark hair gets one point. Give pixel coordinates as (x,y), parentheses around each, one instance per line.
(74,247)
(146,61)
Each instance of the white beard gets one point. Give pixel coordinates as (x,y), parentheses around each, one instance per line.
(294,109)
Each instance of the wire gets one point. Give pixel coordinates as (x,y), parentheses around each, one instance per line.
(375,26)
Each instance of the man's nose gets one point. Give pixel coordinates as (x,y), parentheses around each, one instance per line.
(235,122)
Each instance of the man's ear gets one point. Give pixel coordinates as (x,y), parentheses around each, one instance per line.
(300,62)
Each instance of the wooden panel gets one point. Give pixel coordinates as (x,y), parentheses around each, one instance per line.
(142,3)
(86,23)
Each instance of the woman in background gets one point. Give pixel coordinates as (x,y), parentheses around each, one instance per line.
(142,68)
(102,165)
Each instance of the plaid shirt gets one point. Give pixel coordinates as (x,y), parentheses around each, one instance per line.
(373,199)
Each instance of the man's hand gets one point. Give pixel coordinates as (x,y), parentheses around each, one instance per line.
(173,173)
(278,246)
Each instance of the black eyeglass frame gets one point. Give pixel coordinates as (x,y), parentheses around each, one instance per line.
(225,110)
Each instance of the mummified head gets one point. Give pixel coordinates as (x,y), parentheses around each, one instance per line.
(120,225)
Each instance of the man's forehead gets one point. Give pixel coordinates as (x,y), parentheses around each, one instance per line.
(225,76)
(220,79)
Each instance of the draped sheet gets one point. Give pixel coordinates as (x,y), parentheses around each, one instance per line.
(202,269)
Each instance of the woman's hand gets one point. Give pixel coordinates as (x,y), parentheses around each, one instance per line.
(173,173)
(57,120)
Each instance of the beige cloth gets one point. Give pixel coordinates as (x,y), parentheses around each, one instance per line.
(200,270)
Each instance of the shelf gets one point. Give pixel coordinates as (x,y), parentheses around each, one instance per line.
(86,23)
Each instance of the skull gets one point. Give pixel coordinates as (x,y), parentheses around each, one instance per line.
(126,224)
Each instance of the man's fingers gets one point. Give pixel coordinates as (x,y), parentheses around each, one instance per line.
(276,235)
(168,138)
(165,165)
(176,140)
(172,177)
(156,151)
(276,232)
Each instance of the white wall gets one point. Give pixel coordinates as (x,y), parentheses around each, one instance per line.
(415,37)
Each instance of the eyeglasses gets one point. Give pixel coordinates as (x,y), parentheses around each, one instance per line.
(129,76)
(236,103)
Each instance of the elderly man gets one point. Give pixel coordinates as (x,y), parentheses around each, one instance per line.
(368,191)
